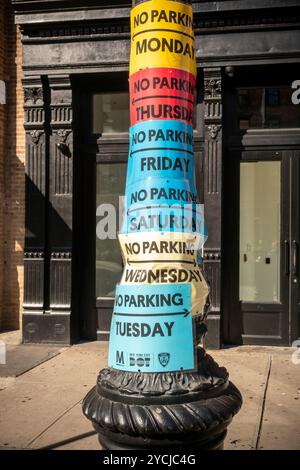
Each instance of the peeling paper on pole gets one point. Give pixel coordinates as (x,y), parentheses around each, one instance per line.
(163,231)
(165,259)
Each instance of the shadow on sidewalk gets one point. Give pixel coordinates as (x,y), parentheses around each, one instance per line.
(55,445)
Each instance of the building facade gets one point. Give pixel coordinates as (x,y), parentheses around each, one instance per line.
(247,148)
(12,171)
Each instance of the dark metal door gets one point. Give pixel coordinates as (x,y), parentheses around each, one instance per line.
(102,120)
(261,299)
(294,161)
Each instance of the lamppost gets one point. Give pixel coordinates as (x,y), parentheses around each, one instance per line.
(161,388)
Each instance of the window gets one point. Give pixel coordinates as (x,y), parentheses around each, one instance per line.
(110,113)
(267,108)
(260,231)
(110,117)
(111,179)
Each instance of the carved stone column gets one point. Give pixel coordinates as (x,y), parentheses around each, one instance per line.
(213,197)
(49,177)
(35,208)
(60,204)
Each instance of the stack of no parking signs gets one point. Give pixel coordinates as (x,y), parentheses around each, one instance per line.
(162,286)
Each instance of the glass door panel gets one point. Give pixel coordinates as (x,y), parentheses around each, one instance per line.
(110,113)
(259,257)
(111,179)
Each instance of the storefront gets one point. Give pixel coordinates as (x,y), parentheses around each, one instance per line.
(247,148)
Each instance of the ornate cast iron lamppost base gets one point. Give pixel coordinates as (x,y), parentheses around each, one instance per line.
(132,410)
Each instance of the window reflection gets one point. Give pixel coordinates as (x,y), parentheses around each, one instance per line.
(110,185)
(110,113)
(267,108)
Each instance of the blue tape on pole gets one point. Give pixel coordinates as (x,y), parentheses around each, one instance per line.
(156,135)
(187,219)
(160,163)
(151,329)
(161,191)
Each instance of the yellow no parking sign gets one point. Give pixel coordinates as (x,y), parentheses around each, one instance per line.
(162,36)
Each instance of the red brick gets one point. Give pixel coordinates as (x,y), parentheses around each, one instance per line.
(12,158)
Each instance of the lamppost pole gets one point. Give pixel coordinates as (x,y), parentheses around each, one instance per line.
(161,388)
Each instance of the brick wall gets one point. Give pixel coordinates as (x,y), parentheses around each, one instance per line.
(2,120)
(12,158)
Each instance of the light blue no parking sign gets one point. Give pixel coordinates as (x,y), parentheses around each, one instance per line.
(151,329)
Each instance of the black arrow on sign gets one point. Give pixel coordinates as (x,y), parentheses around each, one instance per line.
(185,313)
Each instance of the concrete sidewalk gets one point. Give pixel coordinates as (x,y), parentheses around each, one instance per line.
(42,407)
